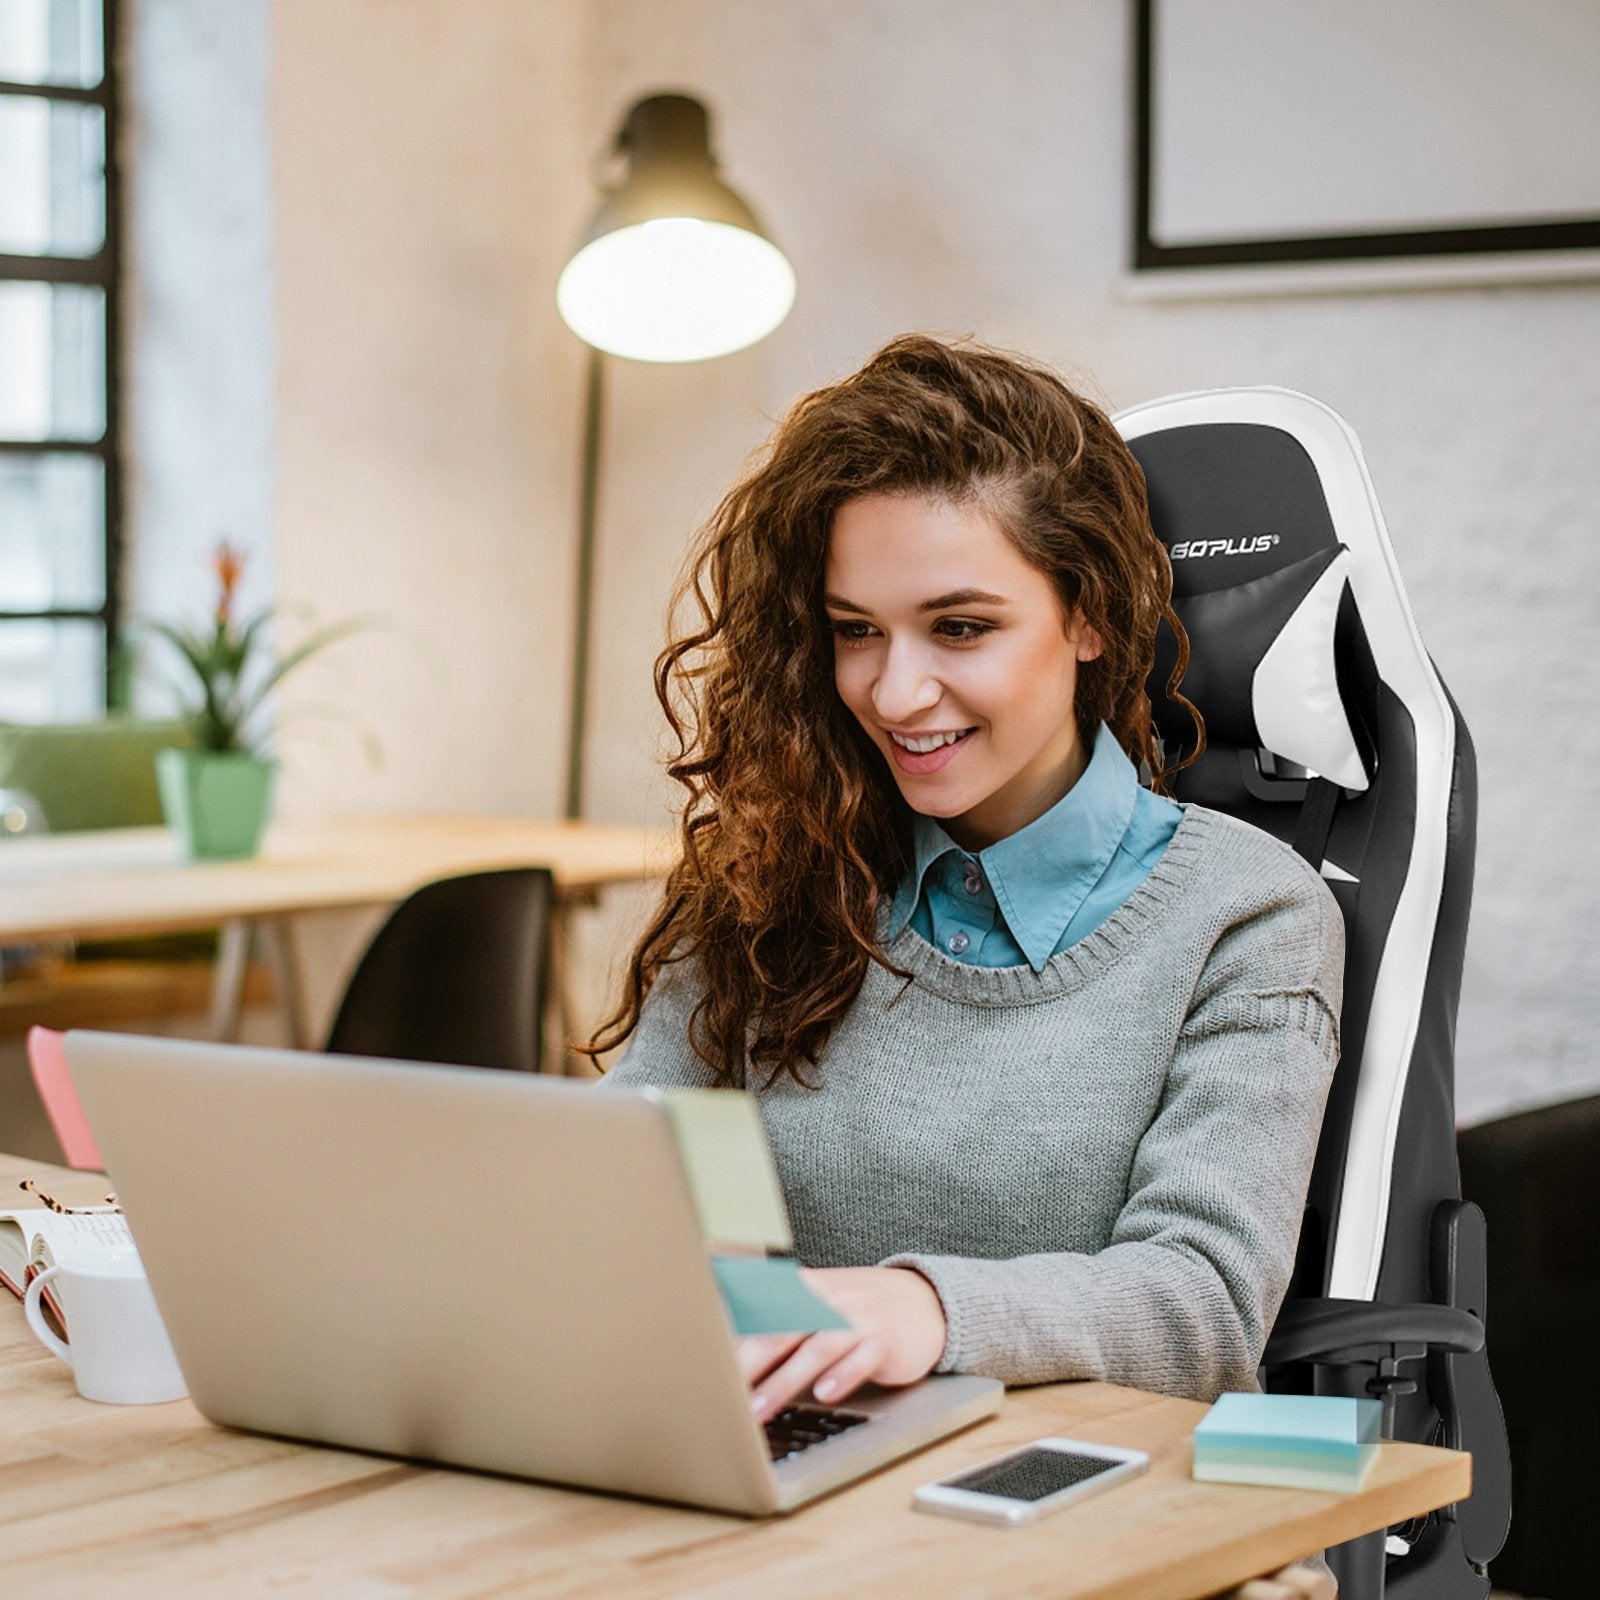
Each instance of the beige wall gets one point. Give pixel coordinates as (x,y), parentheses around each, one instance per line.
(427,168)
(926,163)
(962,167)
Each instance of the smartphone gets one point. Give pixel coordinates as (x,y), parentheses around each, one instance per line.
(1024,1484)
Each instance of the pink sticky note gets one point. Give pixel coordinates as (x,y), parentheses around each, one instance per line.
(54,1082)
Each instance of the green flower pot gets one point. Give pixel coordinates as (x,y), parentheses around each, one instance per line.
(215,804)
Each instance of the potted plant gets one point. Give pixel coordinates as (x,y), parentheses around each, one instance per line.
(217,793)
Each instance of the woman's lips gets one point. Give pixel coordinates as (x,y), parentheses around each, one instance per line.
(919,765)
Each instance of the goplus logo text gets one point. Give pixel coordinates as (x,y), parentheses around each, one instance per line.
(1188,549)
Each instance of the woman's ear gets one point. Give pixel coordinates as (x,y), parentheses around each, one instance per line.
(1087,643)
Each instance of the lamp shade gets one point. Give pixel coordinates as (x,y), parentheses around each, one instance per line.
(674,265)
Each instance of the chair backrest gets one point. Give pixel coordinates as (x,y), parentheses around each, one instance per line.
(1317,693)
(457,974)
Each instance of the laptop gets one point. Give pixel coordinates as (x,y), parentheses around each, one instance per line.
(484,1269)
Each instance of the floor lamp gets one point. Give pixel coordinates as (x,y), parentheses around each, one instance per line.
(672,267)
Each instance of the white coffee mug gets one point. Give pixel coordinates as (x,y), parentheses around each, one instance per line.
(119,1351)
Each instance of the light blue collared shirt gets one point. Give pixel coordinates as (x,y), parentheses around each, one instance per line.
(1045,887)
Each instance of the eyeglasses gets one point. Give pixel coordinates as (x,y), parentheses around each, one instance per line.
(28,1186)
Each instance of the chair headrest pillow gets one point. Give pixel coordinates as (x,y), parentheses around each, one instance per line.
(1262,669)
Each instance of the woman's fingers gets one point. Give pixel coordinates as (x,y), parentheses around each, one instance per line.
(759,1353)
(846,1375)
(896,1335)
(795,1377)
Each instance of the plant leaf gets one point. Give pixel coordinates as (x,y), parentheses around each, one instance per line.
(320,640)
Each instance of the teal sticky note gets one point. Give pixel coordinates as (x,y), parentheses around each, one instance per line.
(764,1294)
(729,1166)
(1298,1441)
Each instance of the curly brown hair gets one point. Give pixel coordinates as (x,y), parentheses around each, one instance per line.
(793,829)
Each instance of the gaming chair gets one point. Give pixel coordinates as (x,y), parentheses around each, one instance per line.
(1327,726)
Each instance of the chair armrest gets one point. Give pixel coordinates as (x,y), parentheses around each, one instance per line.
(1311,1330)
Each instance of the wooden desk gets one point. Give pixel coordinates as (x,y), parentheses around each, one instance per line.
(130,881)
(136,1501)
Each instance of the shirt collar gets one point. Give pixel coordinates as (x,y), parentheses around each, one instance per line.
(1042,873)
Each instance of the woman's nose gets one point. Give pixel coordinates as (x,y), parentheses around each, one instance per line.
(905,686)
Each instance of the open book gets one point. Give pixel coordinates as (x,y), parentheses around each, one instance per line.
(35,1237)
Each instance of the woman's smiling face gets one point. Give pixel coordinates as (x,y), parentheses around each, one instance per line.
(955,654)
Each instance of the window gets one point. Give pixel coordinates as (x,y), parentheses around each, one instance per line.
(58,338)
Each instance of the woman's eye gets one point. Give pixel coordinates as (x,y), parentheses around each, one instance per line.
(960,629)
(852,632)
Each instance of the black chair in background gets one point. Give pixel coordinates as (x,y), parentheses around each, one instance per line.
(1537,1174)
(1328,726)
(459,973)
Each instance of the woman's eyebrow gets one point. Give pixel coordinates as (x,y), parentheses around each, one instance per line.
(963,597)
(943,602)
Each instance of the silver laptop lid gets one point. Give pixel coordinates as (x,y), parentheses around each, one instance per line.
(489,1269)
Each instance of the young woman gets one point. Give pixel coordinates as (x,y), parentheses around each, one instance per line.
(1042,1055)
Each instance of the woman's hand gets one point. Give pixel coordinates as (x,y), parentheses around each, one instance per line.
(896,1335)
(1292,1583)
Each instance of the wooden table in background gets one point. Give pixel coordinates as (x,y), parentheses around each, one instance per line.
(127,1502)
(131,881)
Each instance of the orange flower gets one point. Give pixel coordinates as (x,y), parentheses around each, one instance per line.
(227,563)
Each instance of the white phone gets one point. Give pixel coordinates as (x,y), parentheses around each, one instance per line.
(1024,1484)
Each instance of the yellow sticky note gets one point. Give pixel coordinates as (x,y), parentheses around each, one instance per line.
(729,1163)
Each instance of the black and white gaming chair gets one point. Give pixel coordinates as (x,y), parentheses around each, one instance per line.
(1327,726)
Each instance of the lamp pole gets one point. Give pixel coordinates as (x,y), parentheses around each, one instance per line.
(583,599)
(673,266)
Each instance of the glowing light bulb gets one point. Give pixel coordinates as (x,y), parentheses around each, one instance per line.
(676,289)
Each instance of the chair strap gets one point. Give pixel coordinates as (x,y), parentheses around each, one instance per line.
(1316,820)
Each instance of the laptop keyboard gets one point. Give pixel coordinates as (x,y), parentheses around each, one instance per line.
(800,1427)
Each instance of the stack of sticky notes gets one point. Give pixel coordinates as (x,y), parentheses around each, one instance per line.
(1295,1441)
(734,1182)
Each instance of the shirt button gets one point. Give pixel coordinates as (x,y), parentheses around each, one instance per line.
(973,881)
(958,943)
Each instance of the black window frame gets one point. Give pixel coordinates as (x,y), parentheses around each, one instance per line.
(102,270)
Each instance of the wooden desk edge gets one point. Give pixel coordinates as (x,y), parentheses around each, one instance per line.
(1427,1485)
(584,857)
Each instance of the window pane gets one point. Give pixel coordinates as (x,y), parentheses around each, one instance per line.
(52,533)
(51,671)
(51,41)
(52,177)
(52,361)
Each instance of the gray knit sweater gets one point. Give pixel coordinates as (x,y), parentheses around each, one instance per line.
(1101,1166)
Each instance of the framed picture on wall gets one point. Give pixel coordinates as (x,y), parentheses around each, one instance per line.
(1329,142)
